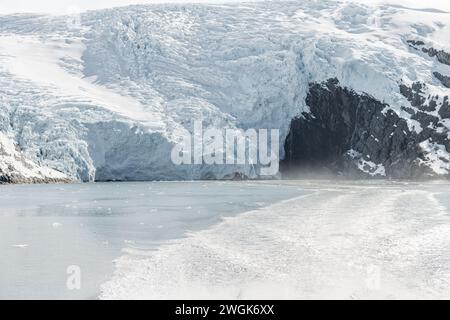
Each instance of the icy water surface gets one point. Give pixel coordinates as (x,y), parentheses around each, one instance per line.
(44,229)
(341,240)
(230,240)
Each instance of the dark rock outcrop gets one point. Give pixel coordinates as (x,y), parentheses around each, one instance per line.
(441,55)
(415,43)
(415,95)
(19,179)
(443,79)
(444,111)
(345,132)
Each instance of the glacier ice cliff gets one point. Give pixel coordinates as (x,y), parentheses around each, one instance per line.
(357,89)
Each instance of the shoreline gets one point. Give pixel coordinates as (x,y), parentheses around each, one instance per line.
(337,179)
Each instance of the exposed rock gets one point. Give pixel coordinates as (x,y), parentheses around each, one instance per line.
(15,168)
(356,135)
(415,95)
(425,119)
(237,176)
(443,79)
(19,179)
(442,56)
(444,111)
(416,43)
(409,110)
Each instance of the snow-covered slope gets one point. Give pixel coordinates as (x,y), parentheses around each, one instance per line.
(14,168)
(109,98)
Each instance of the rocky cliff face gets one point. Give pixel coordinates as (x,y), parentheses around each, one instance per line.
(354,134)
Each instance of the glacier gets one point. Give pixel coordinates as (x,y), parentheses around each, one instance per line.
(109,98)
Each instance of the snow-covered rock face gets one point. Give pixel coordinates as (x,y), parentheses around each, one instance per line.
(356,135)
(14,168)
(108,99)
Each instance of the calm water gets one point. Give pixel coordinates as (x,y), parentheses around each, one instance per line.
(47,228)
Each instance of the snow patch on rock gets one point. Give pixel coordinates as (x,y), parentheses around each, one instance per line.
(436,157)
(367,166)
